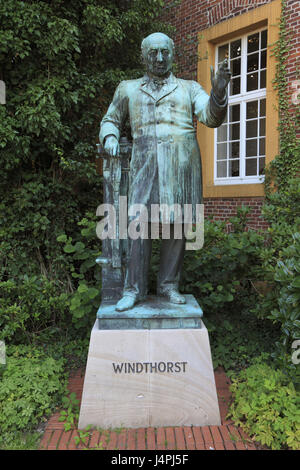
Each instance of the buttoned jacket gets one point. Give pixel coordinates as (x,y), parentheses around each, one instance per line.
(165,165)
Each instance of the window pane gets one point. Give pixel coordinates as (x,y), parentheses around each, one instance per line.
(222,133)
(234,150)
(221,169)
(234,167)
(235,49)
(262,165)
(252,63)
(263,44)
(234,132)
(222,151)
(251,167)
(252,109)
(251,128)
(252,81)
(253,42)
(262,147)
(223,52)
(262,127)
(263,59)
(235,67)
(234,113)
(235,86)
(262,107)
(263,79)
(251,148)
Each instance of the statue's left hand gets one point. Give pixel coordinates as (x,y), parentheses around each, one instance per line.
(220,80)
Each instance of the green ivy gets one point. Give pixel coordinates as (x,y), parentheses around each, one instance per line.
(286,165)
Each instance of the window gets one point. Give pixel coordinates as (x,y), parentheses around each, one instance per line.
(240,141)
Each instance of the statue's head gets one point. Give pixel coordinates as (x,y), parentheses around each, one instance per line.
(158,53)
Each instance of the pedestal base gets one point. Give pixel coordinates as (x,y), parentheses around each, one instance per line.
(150,377)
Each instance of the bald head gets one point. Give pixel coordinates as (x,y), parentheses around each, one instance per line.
(155,39)
(157,53)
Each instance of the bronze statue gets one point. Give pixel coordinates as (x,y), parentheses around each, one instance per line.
(165,166)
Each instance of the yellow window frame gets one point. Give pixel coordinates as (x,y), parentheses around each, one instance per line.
(263,16)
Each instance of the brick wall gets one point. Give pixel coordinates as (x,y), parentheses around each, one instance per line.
(191,17)
(225,208)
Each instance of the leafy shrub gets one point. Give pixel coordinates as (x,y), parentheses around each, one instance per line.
(32,385)
(266,406)
(219,274)
(85,274)
(237,337)
(30,307)
(62,62)
(279,266)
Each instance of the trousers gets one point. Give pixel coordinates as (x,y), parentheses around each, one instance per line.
(170,265)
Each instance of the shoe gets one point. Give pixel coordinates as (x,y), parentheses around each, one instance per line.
(172,295)
(126,302)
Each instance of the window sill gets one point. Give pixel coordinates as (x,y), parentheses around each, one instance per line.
(232,181)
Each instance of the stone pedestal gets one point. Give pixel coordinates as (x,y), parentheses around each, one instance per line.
(149,377)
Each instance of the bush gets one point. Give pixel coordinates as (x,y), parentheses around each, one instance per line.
(32,385)
(219,274)
(266,406)
(31,307)
(279,266)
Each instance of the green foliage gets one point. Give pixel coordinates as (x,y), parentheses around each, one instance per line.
(70,412)
(61,62)
(266,405)
(237,337)
(33,306)
(280,268)
(32,385)
(81,255)
(219,274)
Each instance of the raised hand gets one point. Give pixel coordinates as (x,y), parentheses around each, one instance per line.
(112,146)
(220,80)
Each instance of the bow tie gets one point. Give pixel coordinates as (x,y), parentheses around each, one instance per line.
(158,83)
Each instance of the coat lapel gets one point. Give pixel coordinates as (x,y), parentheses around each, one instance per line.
(169,86)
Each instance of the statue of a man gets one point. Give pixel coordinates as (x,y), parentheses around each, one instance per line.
(165,166)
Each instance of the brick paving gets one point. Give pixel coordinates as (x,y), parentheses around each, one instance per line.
(224,437)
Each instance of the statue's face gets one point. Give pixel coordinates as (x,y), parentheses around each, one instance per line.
(159,56)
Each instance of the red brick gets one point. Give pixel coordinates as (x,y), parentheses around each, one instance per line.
(45,439)
(72,444)
(53,443)
(112,441)
(141,439)
(64,440)
(228,443)
(170,438)
(208,440)
(104,439)
(150,439)
(236,438)
(161,439)
(94,441)
(121,441)
(217,438)
(189,438)
(180,442)
(131,437)
(199,441)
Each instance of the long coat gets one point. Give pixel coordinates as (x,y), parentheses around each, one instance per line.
(165,165)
